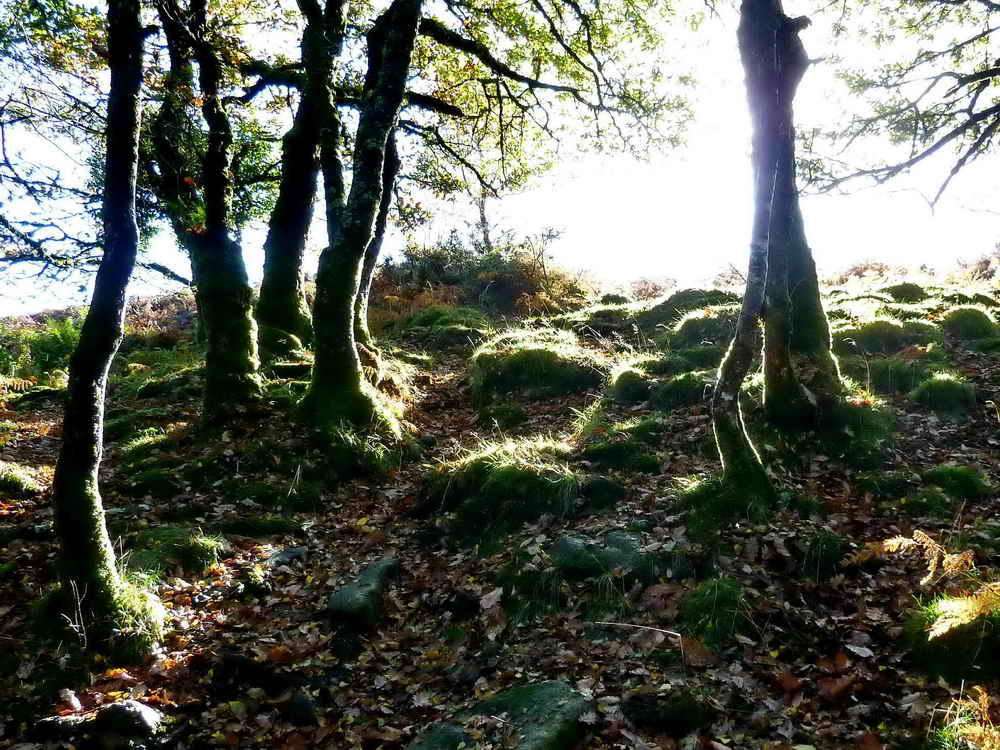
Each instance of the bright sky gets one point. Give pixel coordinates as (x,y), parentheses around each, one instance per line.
(686,214)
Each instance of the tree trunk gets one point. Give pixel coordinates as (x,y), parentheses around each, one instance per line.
(114,615)
(282,302)
(197,197)
(338,391)
(389,171)
(774,62)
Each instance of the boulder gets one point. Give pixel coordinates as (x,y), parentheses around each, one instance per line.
(359,604)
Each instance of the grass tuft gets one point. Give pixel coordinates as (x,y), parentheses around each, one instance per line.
(158,550)
(962,482)
(945,392)
(16,483)
(715,611)
(682,390)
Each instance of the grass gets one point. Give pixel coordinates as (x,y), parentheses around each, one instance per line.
(928,501)
(966,651)
(350,452)
(881,336)
(16,483)
(886,375)
(907,292)
(504,485)
(534,362)
(887,484)
(124,423)
(669,311)
(945,392)
(969,323)
(714,505)
(143,446)
(821,553)
(859,430)
(624,453)
(715,611)
(712,325)
(962,482)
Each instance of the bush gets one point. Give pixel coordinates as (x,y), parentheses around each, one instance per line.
(945,392)
(963,482)
(969,323)
(534,361)
(28,351)
(905,292)
(614,299)
(715,611)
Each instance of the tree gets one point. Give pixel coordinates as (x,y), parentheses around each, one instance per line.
(936,94)
(193,173)
(114,614)
(800,372)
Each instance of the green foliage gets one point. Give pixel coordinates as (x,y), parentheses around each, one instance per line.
(155,482)
(703,356)
(446,315)
(715,504)
(682,390)
(350,452)
(859,430)
(504,485)
(906,292)
(124,423)
(35,351)
(887,375)
(535,362)
(614,299)
(928,501)
(969,323)
(715,611)
(16,483)
(945,392)
(144,445)
(962,482)
(622,454)
(158,550)
(671,364)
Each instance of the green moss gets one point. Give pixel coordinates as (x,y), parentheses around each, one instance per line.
(275,343)
(670,310)
(629,386)
(859,430)
(715,611)
(945,392)
(503,486)
(621,454)
(713,325)
(145,445)
(503,416)
(534,362)
(905,292)
(441,316)
(350,453)
(647,430)
(962,482)
(682,390)
(969,323)
(598,320)
(16,483)
(157,550)
(966,652)
(445,337)
(668,364)
(886,484)
(929,501)
(886,375)
(257,527)
(880,336)
(122,423)
(714,505)
(157,483)
(977,298)
(187,383)
(705,356)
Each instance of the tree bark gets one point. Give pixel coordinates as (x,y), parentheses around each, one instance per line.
(282,302)
(338,391)
(90,582)
(197,194)
(774,61)
(390,169)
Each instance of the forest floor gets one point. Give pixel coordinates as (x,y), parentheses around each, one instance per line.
(252,659)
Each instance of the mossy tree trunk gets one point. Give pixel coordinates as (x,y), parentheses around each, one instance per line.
(774,62)
(338,391)
(282,301)
(195,185)
(390,169)
(87,566)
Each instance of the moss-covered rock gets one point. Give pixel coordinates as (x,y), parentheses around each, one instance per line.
(946,393)
(187,383)
(906,292)
(157,550)
(703,356)
(962,482)
(630,386)
(969,323)
(670,310)
(880,336)
(682,390)
(16,482)
(545,716)
(669,364)
(713,325)
(886,375)
(273,342)
(534,362)
(359,604)
(503,416)
(617,552)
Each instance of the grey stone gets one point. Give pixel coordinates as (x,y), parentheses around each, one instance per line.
(287,555)
(577,557)
(359,604)
(441,737)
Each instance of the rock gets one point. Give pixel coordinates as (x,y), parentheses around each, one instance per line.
(56,728)
(128,719)
(577,557)
(300,711)
(441,737)
(287,555)
(359,604)
(675,714)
